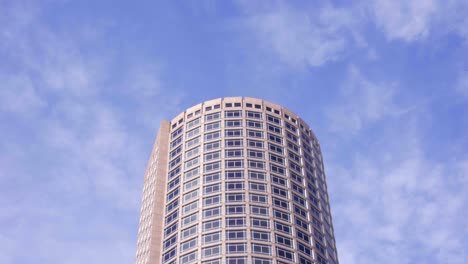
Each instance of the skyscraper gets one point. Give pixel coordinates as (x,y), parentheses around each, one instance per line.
(235,180)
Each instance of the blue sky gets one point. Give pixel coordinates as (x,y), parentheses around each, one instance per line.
(84,85)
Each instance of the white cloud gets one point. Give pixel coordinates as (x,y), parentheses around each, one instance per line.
(303,37)
(85,156)
(403,200)
(406,20)
(360,102)
(462,84)
(18,95)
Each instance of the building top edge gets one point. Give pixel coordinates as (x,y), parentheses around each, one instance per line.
(223,103)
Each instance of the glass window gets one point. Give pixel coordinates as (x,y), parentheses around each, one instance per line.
(174,173)
(254,134)
(229,153)
(255,154)
(213,116)
(175,152)
(260,235)
(261,249)
(188,245)
(192,153)
(189,219)
(279,191)
(212,156)
(193,162)
(212,200)
(189,232)
(233,133)
(212,225)
(190,196)
(275,148)
(174,162)
(256,164)
(277,169)
(173,184)
(176,142)
(274,129)
(301,223)
(259,187)
(285,254)
(211,238)
(282,227)
(285,241)
(211,166)
(254,175)
(274,119)
(279,180)
(212,136)
(237,113)
(172,194)
(277,159)
(254,124)
(192,142)
(234,248)
(189,258)
(230,175)
(233,123)
(171,217)
(214,177)
(169,242)
(280,203)
(233,143)
(254,143)
(234,186)
(304,249)
(258,198)
(212,212)
(235,235)
(212,126)
(211,251)
(235,221)
(191,184)
(170,254)
(192,133)
(212,189)
(193,123)
(176,132)
(190,207)
(172,205)
(235,209)
(255,115)
(260,223)
(274,138)
(281,215)
(259,210)
(256,260)
(303,236)
(234,164)
(169,230)
(192,173)
(235,197)
(300,201)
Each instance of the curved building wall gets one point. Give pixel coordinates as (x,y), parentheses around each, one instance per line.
(238,180)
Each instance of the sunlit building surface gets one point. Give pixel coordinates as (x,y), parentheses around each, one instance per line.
(235,180)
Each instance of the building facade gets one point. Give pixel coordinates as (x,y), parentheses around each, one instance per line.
(235,180)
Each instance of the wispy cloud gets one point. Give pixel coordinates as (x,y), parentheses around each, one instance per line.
(85,158)
(406,20)
(310,36)
(400,199)
(361,101)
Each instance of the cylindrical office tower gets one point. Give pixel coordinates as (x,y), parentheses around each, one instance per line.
(235,180)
